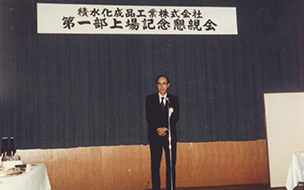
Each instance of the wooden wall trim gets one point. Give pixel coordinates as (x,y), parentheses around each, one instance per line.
(128,167)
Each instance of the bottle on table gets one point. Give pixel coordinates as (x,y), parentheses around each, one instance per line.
(4,147)
(12,147)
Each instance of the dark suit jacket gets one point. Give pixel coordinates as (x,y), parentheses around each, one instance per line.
(156,119)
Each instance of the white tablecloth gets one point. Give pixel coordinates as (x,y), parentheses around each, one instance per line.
(296,171)
(35,179)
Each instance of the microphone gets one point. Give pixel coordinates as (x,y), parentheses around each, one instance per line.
(168,100)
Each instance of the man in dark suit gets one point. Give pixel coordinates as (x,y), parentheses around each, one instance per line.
(157,114)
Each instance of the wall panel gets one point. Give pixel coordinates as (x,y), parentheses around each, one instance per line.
(128,167)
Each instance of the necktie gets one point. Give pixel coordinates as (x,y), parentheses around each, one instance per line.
(162,103)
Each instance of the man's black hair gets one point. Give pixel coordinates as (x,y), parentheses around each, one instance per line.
(162,76)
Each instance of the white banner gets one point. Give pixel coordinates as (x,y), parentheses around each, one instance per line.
(121,19)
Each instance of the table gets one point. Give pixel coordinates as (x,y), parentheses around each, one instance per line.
(34,179)
(296,171)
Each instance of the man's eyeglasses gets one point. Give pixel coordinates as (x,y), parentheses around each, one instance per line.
(165,83)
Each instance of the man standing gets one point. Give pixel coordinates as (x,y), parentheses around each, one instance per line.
(157,114)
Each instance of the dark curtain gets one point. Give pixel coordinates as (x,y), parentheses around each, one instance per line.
(85,90)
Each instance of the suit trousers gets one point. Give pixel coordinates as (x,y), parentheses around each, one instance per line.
(156,150)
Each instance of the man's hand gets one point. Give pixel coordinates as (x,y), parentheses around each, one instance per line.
(162,131)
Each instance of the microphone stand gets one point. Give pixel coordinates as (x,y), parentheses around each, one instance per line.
(170,144)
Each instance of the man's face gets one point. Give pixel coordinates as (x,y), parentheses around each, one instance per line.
(162,85)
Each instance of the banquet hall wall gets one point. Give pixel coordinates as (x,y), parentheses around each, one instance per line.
(127,167)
